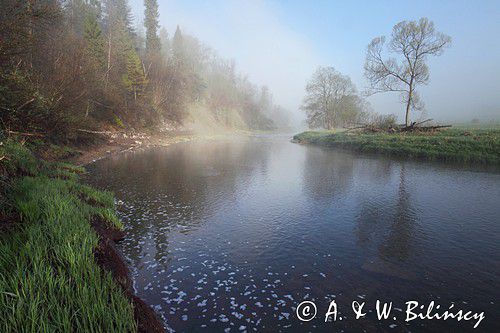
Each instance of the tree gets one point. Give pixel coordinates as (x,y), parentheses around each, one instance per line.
(164,43)
(95,58)
(151,16)
(178,45)
(119,33)
(412,42)
(265,100)
(76,14)
(331,99)
(95,50)
(134,78)
(118,11)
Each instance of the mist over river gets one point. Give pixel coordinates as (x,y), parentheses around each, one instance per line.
(232,234)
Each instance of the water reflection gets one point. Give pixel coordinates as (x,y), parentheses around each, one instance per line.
(177,189)
(234,234)
(326,177)
(399,240)
(388,223)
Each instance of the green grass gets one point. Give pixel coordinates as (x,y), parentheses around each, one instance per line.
(49,281)
(454,145)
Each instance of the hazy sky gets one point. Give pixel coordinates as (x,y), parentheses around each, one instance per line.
(281,43)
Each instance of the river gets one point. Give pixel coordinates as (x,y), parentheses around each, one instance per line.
(232,234)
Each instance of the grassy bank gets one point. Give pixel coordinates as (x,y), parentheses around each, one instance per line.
(49,280)
(457,145)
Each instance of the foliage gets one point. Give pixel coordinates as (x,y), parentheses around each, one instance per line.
(67,65)
(134,78)
(49,280)
(95,45)
(383,122)
(331,100)
(118,122)
(151,17)
(17,159)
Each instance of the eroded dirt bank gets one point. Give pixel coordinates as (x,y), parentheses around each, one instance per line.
(110,259)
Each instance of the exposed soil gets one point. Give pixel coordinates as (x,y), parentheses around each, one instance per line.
(110,259)
(146,319)
(106,232)
(7,222)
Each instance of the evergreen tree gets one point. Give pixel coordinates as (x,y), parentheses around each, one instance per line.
(76,10)
(118,11)
(165,43)
(119,40)
(95,7)
(134,79)
(95,49)
(151,17)
(178,45)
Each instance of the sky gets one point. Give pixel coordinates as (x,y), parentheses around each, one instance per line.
(281,43)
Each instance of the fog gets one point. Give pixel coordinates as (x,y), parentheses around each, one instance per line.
(280,44)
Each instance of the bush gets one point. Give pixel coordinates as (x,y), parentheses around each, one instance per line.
(383,121)
(16,159)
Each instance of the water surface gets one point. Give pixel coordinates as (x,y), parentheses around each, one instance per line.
(231,235)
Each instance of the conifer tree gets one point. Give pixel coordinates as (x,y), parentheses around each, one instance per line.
(94,39)
(151,18)
(178,45)
(95,58)
(119,40)
(164,42)
(75,14)
(134,79)
(118,10)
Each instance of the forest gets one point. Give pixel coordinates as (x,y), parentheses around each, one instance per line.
(72,66)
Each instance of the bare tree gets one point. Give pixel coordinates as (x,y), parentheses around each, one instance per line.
(412,42)
(330,97)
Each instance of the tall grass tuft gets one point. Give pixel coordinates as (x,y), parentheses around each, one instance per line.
(49,281)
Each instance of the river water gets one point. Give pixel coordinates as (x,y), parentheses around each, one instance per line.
(232,234)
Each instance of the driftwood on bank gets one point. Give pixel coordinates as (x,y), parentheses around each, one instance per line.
(415,126)
(423,128)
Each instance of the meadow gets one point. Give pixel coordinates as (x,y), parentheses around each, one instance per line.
(461,144)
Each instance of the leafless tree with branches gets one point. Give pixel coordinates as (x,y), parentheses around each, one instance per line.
(412,42)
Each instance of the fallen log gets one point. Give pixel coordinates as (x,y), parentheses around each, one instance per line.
(415,127)
(423,122)
(430,128)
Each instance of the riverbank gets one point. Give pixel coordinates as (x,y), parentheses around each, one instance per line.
(109,143)
(451,145)
(59,268)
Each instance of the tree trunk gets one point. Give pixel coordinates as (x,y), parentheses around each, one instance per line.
(30,33)
(407,111)
(408,104)
(109,62)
